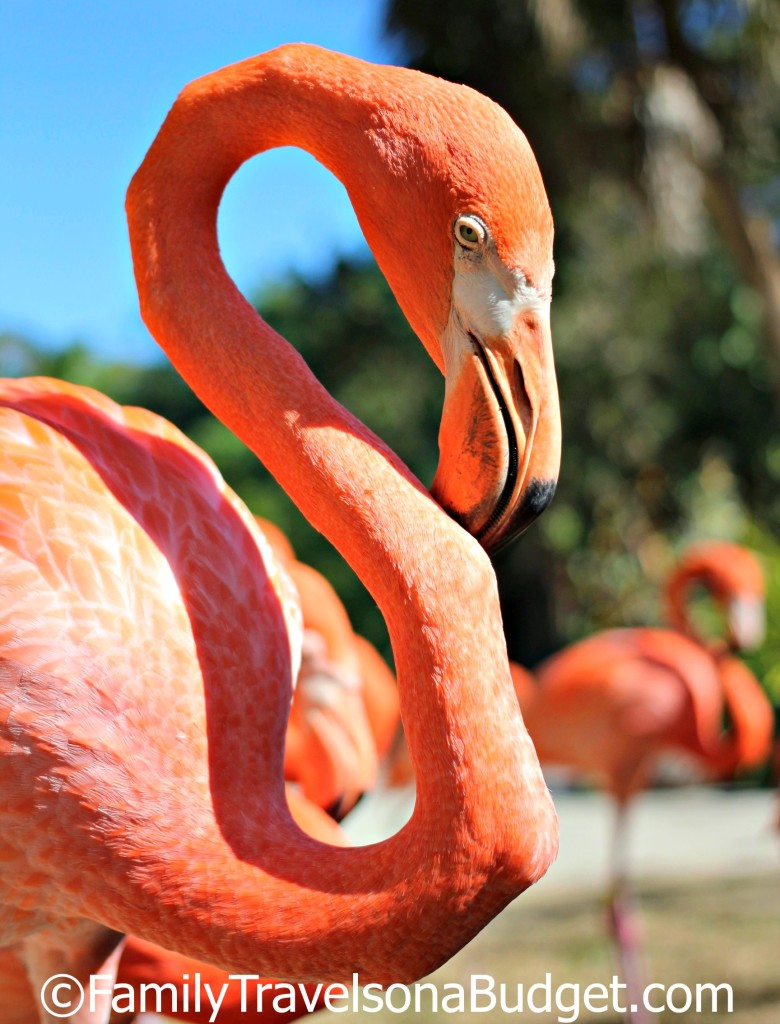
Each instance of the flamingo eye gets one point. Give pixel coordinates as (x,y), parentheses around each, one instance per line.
(469,232)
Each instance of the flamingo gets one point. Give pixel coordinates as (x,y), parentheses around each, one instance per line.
(149,641)
(143,964)
(611,704)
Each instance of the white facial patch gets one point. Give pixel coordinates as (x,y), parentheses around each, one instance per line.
(747,621)
(488,296)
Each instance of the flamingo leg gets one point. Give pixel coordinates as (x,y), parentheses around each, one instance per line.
(624,922)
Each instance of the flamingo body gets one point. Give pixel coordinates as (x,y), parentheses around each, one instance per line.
(144,964)
(626,695)
(151,506)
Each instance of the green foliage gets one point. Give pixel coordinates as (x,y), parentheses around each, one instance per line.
(765,662)
(666,434)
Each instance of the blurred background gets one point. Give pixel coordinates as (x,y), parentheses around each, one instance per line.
(656,124)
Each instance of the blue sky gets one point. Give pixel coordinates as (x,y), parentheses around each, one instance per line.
(84,87)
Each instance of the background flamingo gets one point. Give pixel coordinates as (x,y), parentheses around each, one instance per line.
(611,705)
(344,712)
(149,641)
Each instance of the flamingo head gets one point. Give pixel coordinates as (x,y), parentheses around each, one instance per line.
(451,201)
(734,578)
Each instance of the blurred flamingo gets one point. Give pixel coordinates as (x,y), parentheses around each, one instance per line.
(149,639)
(345,711)
(611,705)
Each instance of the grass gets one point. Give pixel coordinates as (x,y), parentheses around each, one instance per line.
(727,930)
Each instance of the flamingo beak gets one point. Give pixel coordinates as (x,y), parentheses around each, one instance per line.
(500,434)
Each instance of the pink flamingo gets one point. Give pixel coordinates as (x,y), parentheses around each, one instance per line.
(149,641)
(609,705)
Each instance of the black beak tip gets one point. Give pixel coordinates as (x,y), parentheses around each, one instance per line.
(536,498)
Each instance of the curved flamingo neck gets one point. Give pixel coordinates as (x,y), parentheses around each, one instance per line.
(195,311)
(484,827)
(677,594)
(748,739)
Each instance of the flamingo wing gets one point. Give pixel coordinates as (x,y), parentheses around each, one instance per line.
(119,543)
